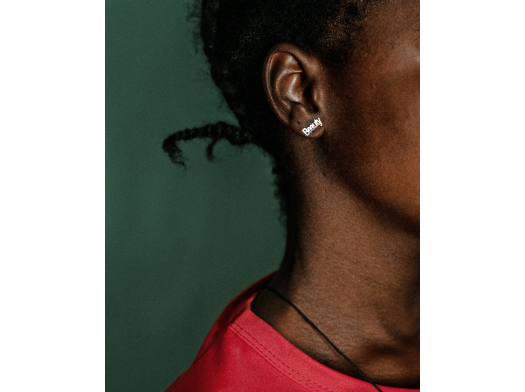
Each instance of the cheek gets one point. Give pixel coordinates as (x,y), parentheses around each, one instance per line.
(377,150)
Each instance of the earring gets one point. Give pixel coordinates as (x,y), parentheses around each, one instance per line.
(308,130)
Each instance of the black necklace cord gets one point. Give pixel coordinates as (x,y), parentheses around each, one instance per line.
(323,335)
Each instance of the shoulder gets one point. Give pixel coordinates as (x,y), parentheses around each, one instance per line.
(226,361)
(235,363)
(225,366)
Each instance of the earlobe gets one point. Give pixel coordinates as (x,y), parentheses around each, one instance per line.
(290,80)
(317,123)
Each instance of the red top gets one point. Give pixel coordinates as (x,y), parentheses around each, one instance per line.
(243,353)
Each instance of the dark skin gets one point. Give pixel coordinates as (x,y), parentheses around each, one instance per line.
(352,255)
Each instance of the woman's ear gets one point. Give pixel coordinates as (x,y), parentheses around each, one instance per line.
(293,84)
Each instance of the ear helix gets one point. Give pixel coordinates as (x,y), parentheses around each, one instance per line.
(312,127)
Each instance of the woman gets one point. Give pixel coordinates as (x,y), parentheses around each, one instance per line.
(337,108)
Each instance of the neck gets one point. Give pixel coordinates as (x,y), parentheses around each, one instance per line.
(355,275)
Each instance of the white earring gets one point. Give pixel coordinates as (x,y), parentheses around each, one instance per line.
(308,130)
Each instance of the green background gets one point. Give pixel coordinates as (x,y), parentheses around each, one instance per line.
(179,244)
(52,207)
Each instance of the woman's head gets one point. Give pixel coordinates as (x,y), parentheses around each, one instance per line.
(238,35)
(243,39)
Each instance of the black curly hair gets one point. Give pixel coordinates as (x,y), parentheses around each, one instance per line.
(236,37)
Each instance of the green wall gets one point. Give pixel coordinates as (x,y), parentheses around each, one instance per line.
(179,244)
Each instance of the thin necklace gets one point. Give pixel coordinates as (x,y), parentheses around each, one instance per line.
(323,335)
